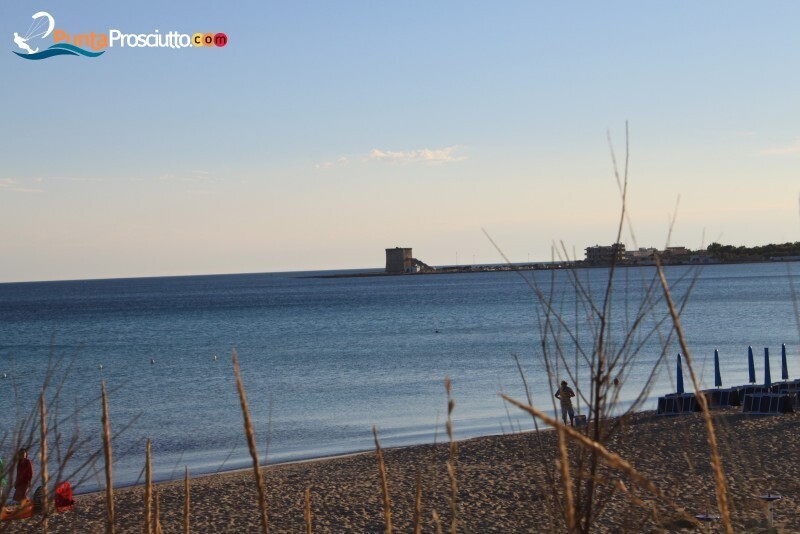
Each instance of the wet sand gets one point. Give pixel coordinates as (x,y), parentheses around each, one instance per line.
(503,484)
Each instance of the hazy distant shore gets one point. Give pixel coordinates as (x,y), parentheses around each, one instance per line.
(465,269)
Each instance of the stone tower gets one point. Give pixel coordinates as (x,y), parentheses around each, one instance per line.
(398,259)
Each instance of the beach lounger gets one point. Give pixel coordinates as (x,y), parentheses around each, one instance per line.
(751,390)
(768,403)
(792,388)
(676,404)
(718,398)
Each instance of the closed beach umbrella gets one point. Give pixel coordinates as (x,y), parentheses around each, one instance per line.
(767,378)
(784,366)
(751,367)
(717,375)
(680,376)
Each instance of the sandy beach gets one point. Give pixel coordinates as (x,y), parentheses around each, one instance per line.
(502,484)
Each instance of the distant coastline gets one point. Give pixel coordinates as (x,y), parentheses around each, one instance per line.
(401,261)
(549,266)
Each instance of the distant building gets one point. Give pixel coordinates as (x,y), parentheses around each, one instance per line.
(701,257)
(643,256)
(604,255)
(677,251)
(399,260)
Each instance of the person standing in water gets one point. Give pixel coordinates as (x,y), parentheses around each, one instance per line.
(565,394)
(22,482)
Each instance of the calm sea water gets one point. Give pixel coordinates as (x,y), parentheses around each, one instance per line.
(325,359)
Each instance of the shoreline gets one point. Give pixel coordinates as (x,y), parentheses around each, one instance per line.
(304,460)
(358,272)
(224,472)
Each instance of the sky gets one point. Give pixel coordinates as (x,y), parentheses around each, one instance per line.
(325,132)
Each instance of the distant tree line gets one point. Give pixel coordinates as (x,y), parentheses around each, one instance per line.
(765,252)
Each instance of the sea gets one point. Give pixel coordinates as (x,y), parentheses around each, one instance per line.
(324,360)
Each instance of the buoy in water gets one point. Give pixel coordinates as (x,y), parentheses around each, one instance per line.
(152,361)
(5,375)
(215,357)
(100,366)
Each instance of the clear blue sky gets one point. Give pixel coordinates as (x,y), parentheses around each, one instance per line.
(327,131)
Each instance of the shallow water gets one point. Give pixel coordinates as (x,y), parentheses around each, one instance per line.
(328,358)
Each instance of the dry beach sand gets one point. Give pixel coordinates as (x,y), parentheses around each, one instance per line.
(501,484)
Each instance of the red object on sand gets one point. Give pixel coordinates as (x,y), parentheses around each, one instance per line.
(21,511)
(63,497)
(63,503)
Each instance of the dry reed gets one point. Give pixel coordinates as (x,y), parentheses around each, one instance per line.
(387,507)
(418,505)
(611,459)
(148,491)
(569,511)
(157,516)
(307,511)
(42,425)
(43,437)
(608,360)
(186,501)
(107,455)
(251,443)
(451,465)
(716,462)
(436,522)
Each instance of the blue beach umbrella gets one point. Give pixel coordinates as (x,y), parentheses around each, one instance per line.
(680,376)
(751,367)
(784,366)
(767,378)
(717,375)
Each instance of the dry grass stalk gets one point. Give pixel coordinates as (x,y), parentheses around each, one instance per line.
(418,506)
(716,462)
(157,517)
(451,473)
(451,463)
(307,514)
(251,444)
(611,459)
(43,433)
(569,506)
(387,507)
(608,358)
(148,491)
(107,454)
(63,456)
(437,522)
(186,501)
